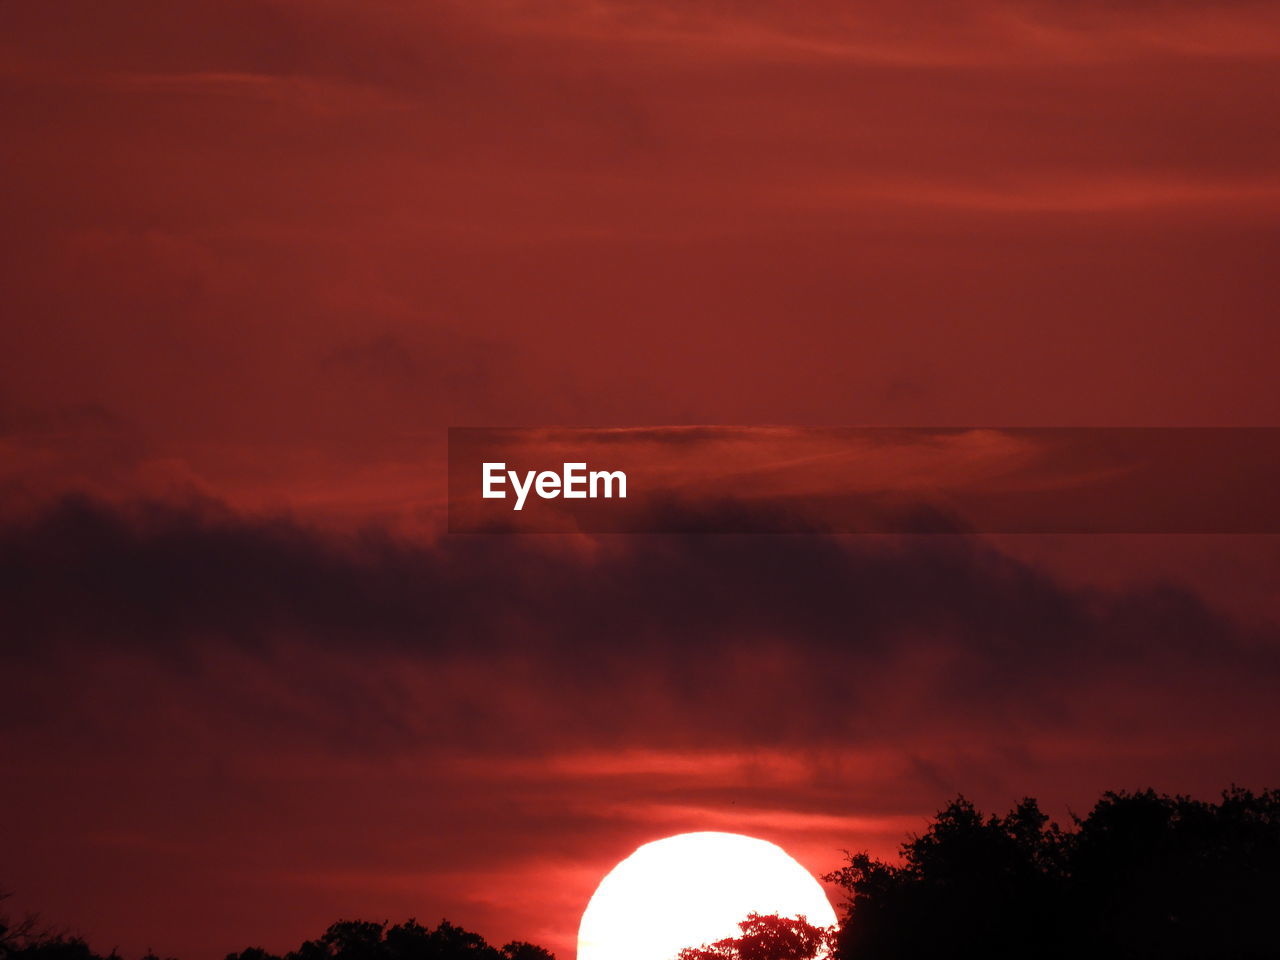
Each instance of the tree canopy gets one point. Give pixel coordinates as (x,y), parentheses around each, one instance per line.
(766,938)
(366,940)
(1143,875)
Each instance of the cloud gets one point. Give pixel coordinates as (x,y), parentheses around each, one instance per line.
(695,640)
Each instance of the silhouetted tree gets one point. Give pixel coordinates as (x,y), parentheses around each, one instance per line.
(1172,877)
(1142,876)
(365,940)
(766,938)
(519,950)
(28,938)
(252,953)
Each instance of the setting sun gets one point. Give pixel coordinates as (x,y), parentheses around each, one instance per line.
(691,889)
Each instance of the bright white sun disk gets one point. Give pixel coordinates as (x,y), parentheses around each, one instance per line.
(691,889)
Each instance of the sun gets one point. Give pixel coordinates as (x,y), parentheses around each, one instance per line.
(691,889)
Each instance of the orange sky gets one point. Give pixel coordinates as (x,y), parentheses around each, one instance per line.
(259,256)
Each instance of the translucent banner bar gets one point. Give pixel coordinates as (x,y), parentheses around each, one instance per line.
(742,479)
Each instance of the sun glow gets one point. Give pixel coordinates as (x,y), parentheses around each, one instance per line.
(691,889)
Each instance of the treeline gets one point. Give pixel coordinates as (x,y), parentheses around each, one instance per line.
(1143,876)
(363,940)
(344,940)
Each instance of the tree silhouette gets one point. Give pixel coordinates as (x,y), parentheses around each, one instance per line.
(28,938)
(519,950)
(1142,876)
(767,937)
(366,940)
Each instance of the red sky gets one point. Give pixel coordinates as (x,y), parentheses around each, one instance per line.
(257,257)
